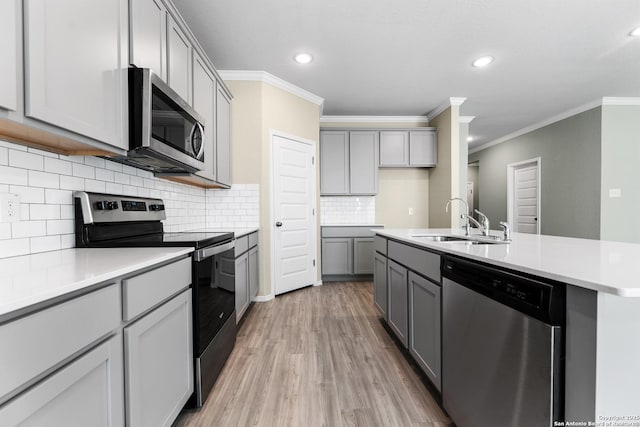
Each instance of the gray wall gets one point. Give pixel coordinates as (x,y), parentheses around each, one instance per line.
(620,170)
(570,175)
(472,176)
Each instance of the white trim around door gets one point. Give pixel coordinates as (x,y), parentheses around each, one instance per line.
(511,188)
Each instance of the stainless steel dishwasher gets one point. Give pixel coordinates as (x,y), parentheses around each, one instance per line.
(502,347)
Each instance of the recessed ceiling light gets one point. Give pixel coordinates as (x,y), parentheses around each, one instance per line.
(636,32)
(469,138)
(303,58)
(483,61)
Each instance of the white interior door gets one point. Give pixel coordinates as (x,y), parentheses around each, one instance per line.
(294,222)
(524,205)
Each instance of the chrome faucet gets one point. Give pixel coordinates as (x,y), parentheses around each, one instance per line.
(463,216)
(484,223)
(507,231)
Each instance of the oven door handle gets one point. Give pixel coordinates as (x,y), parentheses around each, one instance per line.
(210,251)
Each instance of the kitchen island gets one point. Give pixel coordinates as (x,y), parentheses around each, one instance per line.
(602,333)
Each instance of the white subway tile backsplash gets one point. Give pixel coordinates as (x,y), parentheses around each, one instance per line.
(28,229)
(122,178)
(26,160)
(58,166)
(71,183)
(95,186)
(83,171)
(67,212)
(347,210)
(113,166)
(25,213)
(60,226)
(9,175)
(41,211)
(112,188)
(43,179)
(4,156)
(43,244)
(28,194)
(14,247)
(96,162)
(59,197)
(104,175)
(67,241)
(5,230)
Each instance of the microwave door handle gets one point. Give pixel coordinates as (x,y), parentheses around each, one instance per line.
(199,127)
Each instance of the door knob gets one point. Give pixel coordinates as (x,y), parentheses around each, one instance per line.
(278,224)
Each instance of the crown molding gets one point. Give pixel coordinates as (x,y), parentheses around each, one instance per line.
(451,102)
(373,119)
(264,77)
(466,119)
(617,100)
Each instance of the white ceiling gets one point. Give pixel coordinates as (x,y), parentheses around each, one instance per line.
(407,57)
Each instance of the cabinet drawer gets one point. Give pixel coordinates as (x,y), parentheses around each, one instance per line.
(354,231)
(253,239)
(37,342)
(242,245)
(380,244)
(142,292)
(421,261)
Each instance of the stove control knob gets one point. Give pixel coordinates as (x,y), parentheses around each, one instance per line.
(156,208)
(106,205)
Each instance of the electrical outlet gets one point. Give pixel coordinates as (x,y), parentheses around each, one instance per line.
(410,211)
(9,207)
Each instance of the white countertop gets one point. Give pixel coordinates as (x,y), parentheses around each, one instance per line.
(31,279)
(351,225)
(602,266)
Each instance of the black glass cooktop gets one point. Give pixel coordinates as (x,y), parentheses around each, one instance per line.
(197,240)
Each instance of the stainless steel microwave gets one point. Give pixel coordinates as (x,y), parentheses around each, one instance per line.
(166,135)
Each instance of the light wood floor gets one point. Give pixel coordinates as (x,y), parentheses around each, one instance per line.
(318,356)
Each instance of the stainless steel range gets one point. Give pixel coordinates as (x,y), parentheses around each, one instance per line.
(108,220)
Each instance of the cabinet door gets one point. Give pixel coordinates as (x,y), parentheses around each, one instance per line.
(424,326)
(423,148)
(159,364)
(148,36)
(398,301)
(363,162)
(334,162)
(380,283)
(242,285)
(363,255)
(254,272)
(9,54)
(223,137)
(75,66)
(178,60)
(394,148)
(204,100)
(337,256)
(87,392)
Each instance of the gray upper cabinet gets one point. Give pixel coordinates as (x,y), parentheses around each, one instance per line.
(423,149)
(148,38)
(204,95)
(363,162)
(75,67)
(394,148)
(223,137)
(334,162)
(9,54)
(178,60)
(424,326)
(408,148)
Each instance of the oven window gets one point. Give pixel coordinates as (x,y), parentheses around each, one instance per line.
(214,291)
(170,123)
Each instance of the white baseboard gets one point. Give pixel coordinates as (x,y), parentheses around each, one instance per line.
(264,298)
(318,283)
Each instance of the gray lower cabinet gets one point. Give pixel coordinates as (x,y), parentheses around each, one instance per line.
(337,256)
(87,392)
(159,363)
(254,272)
(397,315)
(362,259)
(424,326)
(247,272)
(380,290)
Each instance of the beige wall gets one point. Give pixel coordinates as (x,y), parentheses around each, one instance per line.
(259,109)
(398,188)
(444,181)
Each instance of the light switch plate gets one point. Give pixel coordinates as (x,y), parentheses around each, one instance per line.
(9,207)
(615,193)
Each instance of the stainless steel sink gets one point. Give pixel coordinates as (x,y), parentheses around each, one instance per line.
(470,240)
(439,238)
